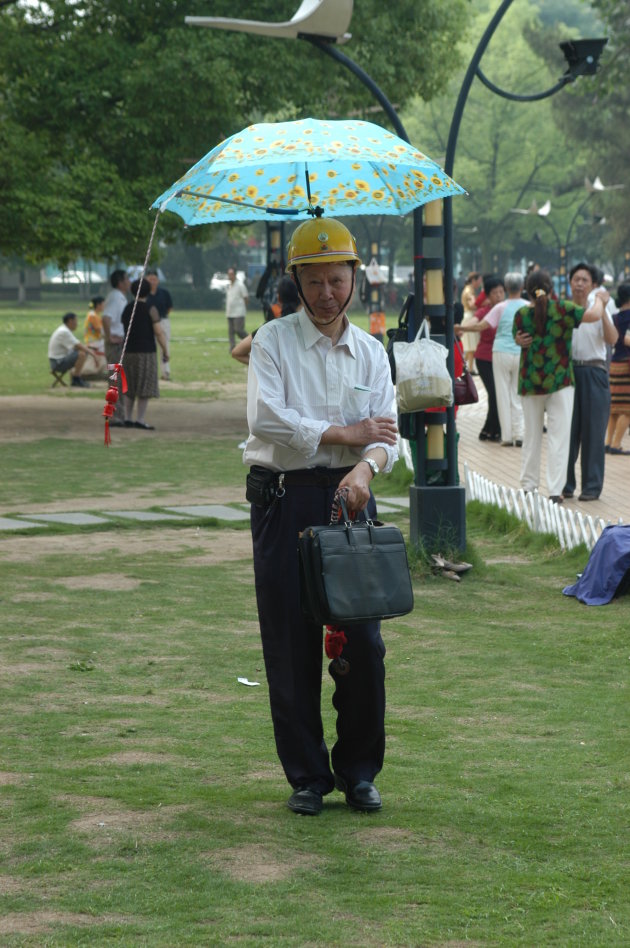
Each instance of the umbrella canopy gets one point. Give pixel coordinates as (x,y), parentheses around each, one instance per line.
(292,169)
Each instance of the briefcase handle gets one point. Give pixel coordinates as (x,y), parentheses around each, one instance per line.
(347,519)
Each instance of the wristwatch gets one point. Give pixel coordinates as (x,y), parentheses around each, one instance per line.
(373,465)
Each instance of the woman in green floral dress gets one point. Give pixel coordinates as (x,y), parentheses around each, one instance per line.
(544,328)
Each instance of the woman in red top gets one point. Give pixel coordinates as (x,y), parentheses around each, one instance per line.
(494,292)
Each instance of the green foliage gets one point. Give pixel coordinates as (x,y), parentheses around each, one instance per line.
(602,131)
(103,105)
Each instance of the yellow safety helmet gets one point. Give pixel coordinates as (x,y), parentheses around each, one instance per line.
(321,240)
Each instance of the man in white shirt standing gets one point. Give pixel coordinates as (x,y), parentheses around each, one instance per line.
(236,300)
(114,333)
(591,405)
(66,352)
(320,411)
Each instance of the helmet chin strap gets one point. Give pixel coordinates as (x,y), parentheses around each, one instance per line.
(342,308)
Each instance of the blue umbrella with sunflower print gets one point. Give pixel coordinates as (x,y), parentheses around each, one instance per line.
(308,167)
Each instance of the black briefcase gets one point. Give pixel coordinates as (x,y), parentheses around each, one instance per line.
(353,571)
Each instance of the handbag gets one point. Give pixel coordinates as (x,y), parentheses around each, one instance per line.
(399,334)
(353,571)
(422,378)
(464,387)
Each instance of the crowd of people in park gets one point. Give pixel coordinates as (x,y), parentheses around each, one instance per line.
(107,328)
(548,364)
(555,365)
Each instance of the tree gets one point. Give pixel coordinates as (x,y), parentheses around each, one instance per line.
(508,153)
(103,103)
(594,116)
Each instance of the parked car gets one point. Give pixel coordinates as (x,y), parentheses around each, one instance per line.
(220,280)
(78,276)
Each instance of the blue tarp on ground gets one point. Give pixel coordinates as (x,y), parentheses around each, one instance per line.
(607,572)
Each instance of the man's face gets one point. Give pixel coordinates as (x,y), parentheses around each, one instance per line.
(153,281)
(326,287)
(581,285)
(231,275)
(124,285)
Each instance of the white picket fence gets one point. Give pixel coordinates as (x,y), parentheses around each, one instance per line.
(570,526)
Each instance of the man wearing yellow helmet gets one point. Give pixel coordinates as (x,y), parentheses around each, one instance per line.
(320,408)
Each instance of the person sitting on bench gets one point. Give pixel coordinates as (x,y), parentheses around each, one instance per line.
(66,353)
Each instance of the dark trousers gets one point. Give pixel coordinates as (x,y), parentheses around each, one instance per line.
(491,425)
(113,352)
(591,408)
(293,648)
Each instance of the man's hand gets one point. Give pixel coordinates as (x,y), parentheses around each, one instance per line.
(523,339)
(358,484)
(370,430)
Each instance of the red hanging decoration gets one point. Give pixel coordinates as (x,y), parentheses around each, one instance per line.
(334,642)
(111,397)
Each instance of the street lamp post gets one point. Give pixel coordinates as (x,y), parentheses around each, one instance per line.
(595,187)
(582,58)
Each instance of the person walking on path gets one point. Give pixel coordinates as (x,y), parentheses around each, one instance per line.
(114,333)
(494,292)
(320,408)
(506,360)
(619,371)
(591,407)
(467,299)
(544,329)
(161,299)
(236,300)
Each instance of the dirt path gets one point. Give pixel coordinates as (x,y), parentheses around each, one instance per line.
(78,414)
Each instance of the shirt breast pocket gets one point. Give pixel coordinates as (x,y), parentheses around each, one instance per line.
(356,404)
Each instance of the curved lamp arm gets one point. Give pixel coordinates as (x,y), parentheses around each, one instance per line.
(367,81)
(523,98)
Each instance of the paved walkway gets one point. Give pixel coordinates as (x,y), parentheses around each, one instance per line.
(502,465)
(188,513)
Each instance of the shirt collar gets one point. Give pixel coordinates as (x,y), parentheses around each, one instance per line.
(312,335)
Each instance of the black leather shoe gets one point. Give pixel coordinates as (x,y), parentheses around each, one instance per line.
(360,796)
(306,800)
(588,497)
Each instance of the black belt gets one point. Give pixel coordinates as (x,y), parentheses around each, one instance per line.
(595,363)
(313,477)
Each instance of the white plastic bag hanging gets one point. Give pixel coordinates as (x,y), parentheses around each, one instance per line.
(422,378)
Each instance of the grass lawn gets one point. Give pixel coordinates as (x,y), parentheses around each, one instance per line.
(141,800)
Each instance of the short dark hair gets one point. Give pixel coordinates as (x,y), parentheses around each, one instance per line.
(152,272)
(583,266)
(490,283)
(68,317)
(117,277)
(145,288)
(623,294)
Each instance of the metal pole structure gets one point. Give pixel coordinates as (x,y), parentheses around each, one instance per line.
(437,513)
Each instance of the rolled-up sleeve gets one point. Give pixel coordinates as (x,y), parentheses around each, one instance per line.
(383,405)
(269,417)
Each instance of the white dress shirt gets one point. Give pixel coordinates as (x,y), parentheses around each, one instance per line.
(588,339)
(114,306)
(235,299)
(299,384)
